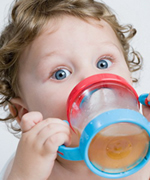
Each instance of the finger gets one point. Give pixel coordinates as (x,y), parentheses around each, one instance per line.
(29,120)
(51,130)
(36,129)
(53,142)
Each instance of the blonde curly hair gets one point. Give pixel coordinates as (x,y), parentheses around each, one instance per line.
(25,24)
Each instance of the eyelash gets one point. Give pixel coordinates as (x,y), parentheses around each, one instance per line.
(108,57)
(57,69)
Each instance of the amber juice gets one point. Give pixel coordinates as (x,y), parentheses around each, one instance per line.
(118,154)
(114,154)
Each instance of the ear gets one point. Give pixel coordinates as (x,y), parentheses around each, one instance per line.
(17,108)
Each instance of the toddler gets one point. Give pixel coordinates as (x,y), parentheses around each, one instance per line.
(48,47)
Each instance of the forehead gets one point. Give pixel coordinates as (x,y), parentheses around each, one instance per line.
(68,26)
(69,33)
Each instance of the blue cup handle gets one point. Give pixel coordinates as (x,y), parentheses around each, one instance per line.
(69,153)
(143,99)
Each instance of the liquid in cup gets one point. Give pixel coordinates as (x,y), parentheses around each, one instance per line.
(119,151)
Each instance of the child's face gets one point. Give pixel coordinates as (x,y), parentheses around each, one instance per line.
(67,51)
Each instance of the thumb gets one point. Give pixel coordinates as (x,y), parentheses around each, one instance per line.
(29,120)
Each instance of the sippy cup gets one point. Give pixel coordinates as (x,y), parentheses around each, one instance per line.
(113,137)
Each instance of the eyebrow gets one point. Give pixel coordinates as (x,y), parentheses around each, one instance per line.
(49,54)
(105,44)
(113,45)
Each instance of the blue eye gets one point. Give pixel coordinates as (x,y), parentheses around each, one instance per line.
(104,64)
(61,74)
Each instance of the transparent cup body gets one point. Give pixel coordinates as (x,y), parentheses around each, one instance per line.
(117,147)
(95,101)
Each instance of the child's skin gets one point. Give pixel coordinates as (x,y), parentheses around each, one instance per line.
(74,46)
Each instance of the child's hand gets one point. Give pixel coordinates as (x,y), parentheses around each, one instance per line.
(37,149)
(146,109)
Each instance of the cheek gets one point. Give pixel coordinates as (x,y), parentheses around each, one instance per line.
(55,106)
(58,101)
(59,107)
(126,74)
(123,71)
(50,105)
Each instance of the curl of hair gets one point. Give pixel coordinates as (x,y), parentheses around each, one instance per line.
(25,24)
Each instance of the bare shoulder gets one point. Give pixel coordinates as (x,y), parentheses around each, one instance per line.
(143,174)
(148,169)
(7,168)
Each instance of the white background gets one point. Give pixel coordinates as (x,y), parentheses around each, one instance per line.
(135,12)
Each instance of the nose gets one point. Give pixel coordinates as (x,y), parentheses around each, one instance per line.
(87,72)
(82,74)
